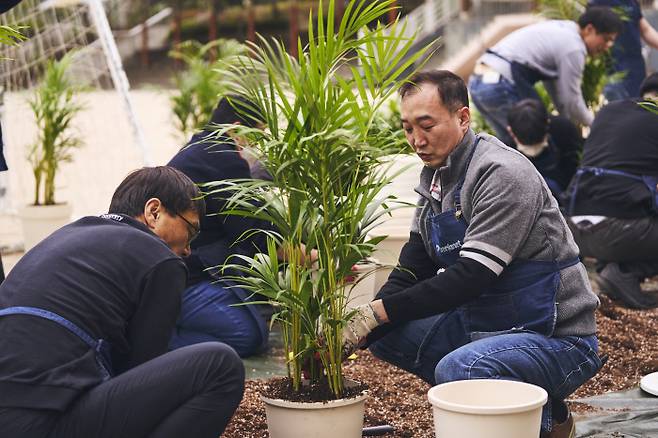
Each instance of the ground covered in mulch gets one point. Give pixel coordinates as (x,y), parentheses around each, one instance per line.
(628,337)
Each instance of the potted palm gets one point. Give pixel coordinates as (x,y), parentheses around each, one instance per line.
(54,108)
(327,156)
(198,85)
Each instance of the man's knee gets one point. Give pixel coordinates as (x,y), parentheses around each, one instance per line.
(464,364)
(218,366)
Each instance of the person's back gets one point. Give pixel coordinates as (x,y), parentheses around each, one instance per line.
(92,271)
(209,309)
(624,137)
(86,316)
(612,200)
(542,46)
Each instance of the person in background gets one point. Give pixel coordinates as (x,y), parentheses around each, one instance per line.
(553,52)
(86,316)
(552,143)
(627,50)
(612,200)
(209,310)
(490,284)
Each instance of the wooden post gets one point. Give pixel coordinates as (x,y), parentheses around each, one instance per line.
(145,35)
(212,23)
(393,13)
(339,12)
(251,21)
(178,24)
(294,27)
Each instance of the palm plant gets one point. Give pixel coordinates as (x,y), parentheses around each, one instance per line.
(325,150)
(54,108)
(11,36)
(199,85)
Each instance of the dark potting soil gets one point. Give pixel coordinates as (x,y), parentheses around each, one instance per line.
(281,387)
(398,398)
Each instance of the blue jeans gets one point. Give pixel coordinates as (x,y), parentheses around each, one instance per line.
(436,350)
(210,312)
(494,102)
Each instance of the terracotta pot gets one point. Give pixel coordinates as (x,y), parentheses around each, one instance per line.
(332,419)
(488,408)
(39,221)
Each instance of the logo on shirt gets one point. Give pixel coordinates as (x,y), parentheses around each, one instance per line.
(114,217)
(449,247)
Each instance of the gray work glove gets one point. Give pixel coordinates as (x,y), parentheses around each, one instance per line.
(357,328)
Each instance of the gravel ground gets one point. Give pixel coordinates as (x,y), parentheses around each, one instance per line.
(400,399)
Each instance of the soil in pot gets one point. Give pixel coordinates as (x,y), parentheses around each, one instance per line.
(281,388)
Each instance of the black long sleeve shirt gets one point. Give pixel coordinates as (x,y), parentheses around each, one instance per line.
(115,279)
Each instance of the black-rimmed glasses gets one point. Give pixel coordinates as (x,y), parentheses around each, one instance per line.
(193,231)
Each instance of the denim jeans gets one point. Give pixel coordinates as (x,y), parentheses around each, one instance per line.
(437,350)
(494,101)
(211,312)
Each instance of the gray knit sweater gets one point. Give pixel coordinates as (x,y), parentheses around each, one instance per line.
(511,215)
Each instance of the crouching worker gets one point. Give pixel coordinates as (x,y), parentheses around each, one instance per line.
(552,143)
(491,285)
(613,198)
(211,309)
(85,321)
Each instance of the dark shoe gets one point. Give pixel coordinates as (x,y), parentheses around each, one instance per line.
(625,287)
(567,429)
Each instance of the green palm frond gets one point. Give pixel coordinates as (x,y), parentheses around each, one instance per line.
(54,108)
(325,146)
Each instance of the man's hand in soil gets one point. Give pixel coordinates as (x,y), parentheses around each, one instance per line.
(366,318)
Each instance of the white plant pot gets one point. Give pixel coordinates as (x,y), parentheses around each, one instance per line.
(39,221)
(332,419)
(487,408)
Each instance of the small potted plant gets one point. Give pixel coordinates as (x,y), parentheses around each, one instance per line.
(327,156)
(199,84)
(54,108)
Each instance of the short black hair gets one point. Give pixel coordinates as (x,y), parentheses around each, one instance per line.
(172,187)
(649,84)
(602,18)
(233,108)
(528,120)
(452,89)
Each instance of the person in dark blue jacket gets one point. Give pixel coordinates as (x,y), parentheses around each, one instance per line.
(209,312)
(86,317)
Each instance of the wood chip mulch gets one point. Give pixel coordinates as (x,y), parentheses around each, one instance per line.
(400,399)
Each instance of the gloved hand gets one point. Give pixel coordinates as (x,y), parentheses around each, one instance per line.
(357,328)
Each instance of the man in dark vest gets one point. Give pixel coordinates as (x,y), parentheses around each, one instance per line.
(86,316)
(612,200)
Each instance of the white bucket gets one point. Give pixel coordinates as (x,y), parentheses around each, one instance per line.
(487,408)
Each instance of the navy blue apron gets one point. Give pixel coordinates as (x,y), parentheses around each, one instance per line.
(100,347)
(524,77)
(522,299)
(651,182)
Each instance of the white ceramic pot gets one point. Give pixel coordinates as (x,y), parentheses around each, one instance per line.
(332,419)
(487,408)
(39,221)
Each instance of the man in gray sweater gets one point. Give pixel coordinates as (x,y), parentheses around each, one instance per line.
(490,284)
(553,52)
